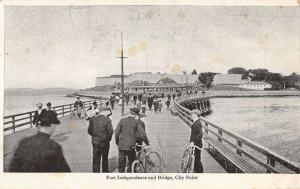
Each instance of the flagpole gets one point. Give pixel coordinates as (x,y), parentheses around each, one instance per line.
(122,73)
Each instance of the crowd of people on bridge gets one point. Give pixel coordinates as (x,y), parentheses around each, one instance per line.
(39,153)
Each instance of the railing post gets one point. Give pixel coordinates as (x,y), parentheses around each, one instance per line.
(206,126)
(239,143)
(30,117)
(220,133)
(63,110)
(70,108)
(271,162)
(13,123)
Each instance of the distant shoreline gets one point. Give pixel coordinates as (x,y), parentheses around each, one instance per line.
(234,94)
(215,94)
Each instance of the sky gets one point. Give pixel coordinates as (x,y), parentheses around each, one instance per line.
(69,46)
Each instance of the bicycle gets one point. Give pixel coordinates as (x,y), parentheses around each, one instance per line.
(188,159)
(146,162)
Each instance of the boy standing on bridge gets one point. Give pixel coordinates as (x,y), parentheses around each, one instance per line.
(196,139)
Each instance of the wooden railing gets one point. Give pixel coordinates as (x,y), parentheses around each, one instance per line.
(257,155)
(24,120)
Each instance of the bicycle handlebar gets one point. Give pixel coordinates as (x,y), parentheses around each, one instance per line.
(193,146)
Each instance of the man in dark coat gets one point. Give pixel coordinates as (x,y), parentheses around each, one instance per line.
(134,99)
(101,130)
(39,153)
(78,105)
(150,101)
(196,139)
(38,115)
(127,133)
(112,101)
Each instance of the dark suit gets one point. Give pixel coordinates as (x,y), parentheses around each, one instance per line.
(127,133)
(38,153)
(196,137)
(101,130)
(37,118)
(150,102)
(49,117)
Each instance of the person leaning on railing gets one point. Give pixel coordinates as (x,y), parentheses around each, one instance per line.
(196,139)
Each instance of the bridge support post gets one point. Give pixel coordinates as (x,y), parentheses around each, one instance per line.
(30,117)
(239,143)
(271,162)
(13,123)
(220,133)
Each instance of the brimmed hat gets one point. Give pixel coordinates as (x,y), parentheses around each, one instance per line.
(196,111)
(142,114)
(135,111)
(39,104)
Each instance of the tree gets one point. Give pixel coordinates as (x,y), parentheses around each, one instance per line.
(206,78)
(239,70)
(194,72)
(258,74)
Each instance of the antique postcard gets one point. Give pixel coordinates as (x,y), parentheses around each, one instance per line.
(169,94)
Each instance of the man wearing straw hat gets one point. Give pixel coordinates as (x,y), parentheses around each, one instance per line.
(126,135)
(196,139)
(38,115)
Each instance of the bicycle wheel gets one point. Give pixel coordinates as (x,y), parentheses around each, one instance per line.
(137,167)
(153,162)
(187,161)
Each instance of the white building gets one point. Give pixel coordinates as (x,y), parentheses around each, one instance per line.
(256,85)
(228,79)
(111,80)
(147,76)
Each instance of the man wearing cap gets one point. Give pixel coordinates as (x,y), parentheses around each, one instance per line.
(126,135)
(39,153)
(196,139)
(39,113)
(101,130)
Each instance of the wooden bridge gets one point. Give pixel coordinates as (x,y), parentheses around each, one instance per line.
(168,134)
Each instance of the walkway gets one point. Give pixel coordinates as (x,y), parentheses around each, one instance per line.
(167,134)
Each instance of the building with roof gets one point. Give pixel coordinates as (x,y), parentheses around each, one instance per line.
(110,80)
(228,79)
(147,77)
(256,85)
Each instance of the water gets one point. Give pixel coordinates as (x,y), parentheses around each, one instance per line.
(14,104)
(273,122)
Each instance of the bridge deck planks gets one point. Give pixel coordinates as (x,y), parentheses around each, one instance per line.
(167,134)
